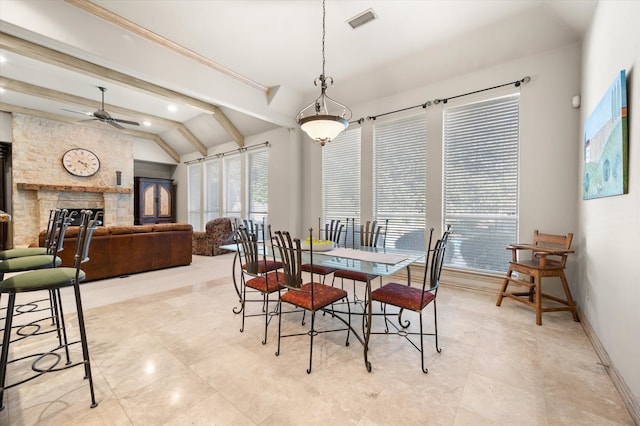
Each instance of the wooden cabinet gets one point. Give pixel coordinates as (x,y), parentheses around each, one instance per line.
(154,200)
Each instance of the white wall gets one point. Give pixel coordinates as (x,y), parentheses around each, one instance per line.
(609,228)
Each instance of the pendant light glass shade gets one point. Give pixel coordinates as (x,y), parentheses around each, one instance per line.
(324,119)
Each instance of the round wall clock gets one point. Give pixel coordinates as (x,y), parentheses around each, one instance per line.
(81,162)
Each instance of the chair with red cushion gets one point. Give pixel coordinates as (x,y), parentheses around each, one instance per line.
(311,296)
(258,274)
(332,232)
(415,299)
(371,235)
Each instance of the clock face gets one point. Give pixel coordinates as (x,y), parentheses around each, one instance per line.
(81,162)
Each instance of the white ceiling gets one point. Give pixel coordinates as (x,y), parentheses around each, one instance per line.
(276,44)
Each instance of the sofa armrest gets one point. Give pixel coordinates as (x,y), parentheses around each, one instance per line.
(202,244)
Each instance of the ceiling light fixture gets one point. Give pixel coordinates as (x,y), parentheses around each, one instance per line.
(324,119)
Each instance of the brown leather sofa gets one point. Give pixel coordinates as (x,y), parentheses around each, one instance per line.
(122,250)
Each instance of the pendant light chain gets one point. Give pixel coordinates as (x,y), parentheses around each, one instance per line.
(324,18)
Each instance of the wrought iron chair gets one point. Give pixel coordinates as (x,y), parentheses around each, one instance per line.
(311,296)
(415,299)
(55,240)
(263,280)
(35,251)
(51,280)
(548,259)
(371,235)
(332,232)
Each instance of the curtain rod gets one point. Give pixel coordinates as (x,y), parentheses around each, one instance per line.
(516,83)
(222,154)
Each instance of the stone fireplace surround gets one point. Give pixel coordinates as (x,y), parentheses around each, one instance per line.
(48,197)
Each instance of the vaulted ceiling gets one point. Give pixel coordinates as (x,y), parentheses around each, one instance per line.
(234,68)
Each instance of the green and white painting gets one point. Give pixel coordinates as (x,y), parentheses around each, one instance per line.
(606,144)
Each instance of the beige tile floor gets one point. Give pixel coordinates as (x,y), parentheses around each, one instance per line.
(166,349)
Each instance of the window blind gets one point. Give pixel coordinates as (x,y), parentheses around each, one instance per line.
(480,196)
(258,182)
(341,177)
(194,179)
(212,179)
(399,180)
(232,186)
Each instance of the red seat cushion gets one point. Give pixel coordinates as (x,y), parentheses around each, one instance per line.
(323,295)
(318,269)
(403,296)
(353,275)
(266,266)
(267,284)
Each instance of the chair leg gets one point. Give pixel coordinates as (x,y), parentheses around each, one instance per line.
(311,333)
(435,323)
(503,290)
(424,370)
(279,325)
(538,285)
(85,344)
(243,304)
(266,317)
(56,300)
(567,293)
(6,339)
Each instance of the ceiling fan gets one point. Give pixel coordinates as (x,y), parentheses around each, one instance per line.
(104,116)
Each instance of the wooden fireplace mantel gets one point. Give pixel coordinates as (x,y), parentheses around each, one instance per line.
(72,188)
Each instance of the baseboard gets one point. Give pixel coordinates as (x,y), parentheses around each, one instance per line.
(627,396)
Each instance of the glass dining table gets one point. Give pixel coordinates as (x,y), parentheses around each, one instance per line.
(368,260)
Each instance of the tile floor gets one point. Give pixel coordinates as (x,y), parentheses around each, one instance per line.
(166,349)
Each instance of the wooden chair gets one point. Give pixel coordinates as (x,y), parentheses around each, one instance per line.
(548,259)
(333,232)
(311,296)
(415,299)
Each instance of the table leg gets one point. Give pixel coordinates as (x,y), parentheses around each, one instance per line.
(367,333)
(236,310)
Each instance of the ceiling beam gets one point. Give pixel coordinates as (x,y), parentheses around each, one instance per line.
(56,117)
(121,22)
(54,95)
(57,58)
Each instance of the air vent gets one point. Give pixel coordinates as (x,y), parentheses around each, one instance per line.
(362,18)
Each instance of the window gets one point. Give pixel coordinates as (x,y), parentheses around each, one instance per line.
(232,186)
(194,177)
(480,196)
(211,179)
(258,182)
(341,177)
(399,180)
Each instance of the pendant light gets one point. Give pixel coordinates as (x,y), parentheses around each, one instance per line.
(324,119)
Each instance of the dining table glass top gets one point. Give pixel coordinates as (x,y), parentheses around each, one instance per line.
(369,260)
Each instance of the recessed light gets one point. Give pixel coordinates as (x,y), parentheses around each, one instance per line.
(172,108)
(3,59)
(146,123)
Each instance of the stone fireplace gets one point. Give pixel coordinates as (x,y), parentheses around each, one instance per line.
(116,203)
(40,182)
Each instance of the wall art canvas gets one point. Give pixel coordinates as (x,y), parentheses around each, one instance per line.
(606,144)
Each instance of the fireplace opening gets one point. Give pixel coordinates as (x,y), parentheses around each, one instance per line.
(76,217)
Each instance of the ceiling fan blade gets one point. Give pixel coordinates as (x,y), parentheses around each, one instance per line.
(77,112)
(114,124)
(88,119)
(133,123)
